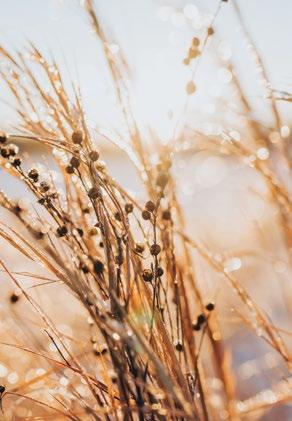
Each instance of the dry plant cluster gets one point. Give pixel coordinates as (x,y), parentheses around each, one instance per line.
(148,343)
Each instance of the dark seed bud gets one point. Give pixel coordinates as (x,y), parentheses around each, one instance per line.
(16,162)
(42,201)
(2,389)
(44,187)
(179,346)
(201,319)
(101,244)
(155,249)
(99,349)
(84,268)
(129,207)
(147,275)
(159,271)
(162,179)
(196,327)
(98,267)
(139,248)
(11,152)
(4,153)
(62,231)
(93,193)
(13,299)
(210,31)
(77,137)
(166,215)
(118,216)
(146,215)
(150,206)
(3,138)
(210,306)
(70,169)
(93,156)
(80,232)
(75,162)
(34,175)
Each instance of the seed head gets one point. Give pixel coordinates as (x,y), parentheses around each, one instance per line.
(146,215)
(44,187)
(98,267)
(166,215)
(62,231)
(201,319)
(179,346)
(150,206)
(93,156)
(4,153)
(3,138)
(155,249)
(159,271)
(139,248)
(77,137)
(118,216)
(16,162)
(14,298)
(93,193)
(34,175)
(147,275)
(75,162)
(210,31)
(129,207)
(210,306)
(162,179)
(70,169)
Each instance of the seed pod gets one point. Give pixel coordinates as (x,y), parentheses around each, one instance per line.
(201,319)
(190,88)
(155,249)
(129,207)
(196,41)
(77,137)
(3,138)
(159,271)
(179,346)
(162,179)
(146,215)
(75,162)
(196,327)
(14,298)
(210,306)
(4,153)
(44,187)
(150,206)
(98,267)
(62,231)
(93,156)
(16,162)
(93,193)
(139,248)
(147,275)
(118,216)
(210,31)
(166,215)
(34,175)
(84,269)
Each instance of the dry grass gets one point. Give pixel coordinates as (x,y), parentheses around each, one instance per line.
(145,342)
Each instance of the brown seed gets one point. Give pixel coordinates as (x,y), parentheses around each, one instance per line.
(155,249)
(62,231)
(210,306)
(150,206)
(75,162)
(77,137)
(129,207)
(139,248)
(44,187)
(159,271)
(162,179)
(118,216)
(191,87)
(166,215)
(70,169)
(210,31)
(34,175)
(147,275)
(179,346)
(196,41)
(3,138)
(146,215)
(193,52)
(93,193)
(186,61)
(14,298)
(98,267)
(93,156)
